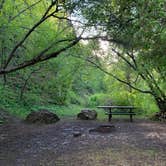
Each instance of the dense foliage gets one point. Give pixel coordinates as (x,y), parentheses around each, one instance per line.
(131,71)
(138,31)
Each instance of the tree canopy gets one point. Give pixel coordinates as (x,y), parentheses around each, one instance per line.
(138,29)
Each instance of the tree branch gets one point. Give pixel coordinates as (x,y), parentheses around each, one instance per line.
(40,58)
(120,80)
(44,17)
(26,81)
(1,5)
(24,10)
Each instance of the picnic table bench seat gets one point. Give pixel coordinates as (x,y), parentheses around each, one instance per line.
(121,113)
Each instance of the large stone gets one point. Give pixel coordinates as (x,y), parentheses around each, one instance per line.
(87,114)
(42,116)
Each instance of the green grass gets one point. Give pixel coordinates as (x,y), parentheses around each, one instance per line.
(22,111)
(67,111)
(10,101)
(62,111)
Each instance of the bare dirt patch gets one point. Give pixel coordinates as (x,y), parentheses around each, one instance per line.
(139,143)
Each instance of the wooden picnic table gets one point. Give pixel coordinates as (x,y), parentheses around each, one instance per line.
(110,113)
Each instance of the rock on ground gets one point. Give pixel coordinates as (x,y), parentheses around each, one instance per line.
(87,114)
(42,116)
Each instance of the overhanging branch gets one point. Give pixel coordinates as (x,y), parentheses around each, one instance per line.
(44,17)
(41,57)
(117,78)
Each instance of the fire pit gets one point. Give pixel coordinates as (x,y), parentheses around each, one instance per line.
(103,129)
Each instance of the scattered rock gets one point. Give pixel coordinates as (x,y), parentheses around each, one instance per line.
(87,114)
(103,129)
(42,116)
(76,134)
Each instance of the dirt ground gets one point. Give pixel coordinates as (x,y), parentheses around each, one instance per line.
(140,143)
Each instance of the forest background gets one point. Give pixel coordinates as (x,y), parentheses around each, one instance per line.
(46,63)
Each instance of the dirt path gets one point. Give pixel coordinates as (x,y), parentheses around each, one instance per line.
(141,143)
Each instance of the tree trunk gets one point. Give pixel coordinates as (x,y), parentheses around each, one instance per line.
(161,103)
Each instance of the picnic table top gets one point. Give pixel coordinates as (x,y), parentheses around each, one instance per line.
(116,106)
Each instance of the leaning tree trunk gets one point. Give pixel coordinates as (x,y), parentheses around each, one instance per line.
(161,103)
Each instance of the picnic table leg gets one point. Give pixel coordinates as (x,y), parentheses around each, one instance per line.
(131,118)
(110,115)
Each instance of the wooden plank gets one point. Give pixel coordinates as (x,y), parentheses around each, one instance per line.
(115,106)
(121,113)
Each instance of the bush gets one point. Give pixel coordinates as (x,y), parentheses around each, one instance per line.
(73,98)
(99,99)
